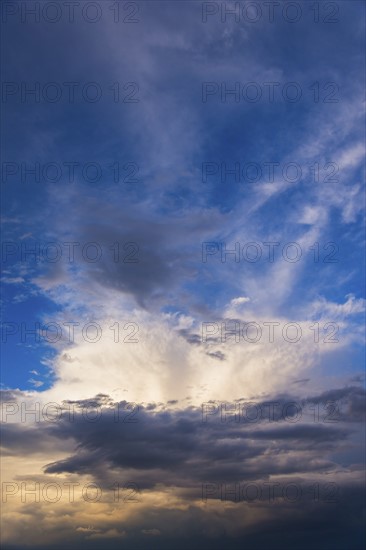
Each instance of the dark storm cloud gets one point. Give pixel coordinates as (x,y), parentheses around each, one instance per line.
(18,439)
(173,450)
(187,444)
(177,448)
(351,402)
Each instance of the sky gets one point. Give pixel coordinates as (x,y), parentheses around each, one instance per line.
(183,274)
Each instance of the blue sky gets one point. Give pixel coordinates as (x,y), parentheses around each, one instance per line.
(173,195)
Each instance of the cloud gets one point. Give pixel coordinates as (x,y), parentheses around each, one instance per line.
(36,383)
(174,459)
(162,379)
(12,280)
(239,301)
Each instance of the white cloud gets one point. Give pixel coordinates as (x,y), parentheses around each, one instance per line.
(240,300)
